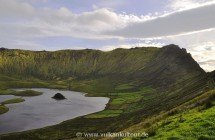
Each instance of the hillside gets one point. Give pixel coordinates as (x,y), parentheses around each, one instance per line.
(150,65)
(189,121)
(74,63)
(140,82)
(212,74)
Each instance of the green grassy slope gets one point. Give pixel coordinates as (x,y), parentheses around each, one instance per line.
(160,68)
(191,125)
(189,121)
(140,82)
(73,63)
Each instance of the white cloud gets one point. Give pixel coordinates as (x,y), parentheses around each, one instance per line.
(144,43)
(200,44)
(29,21)
(208,65)
(15,9)
(181,22)
(188,4)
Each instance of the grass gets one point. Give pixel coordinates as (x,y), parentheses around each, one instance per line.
(193,120)
(105,113)
(6,92)
(20,93)
(27,93)
(196,125)
(124,87)
(120,102)
(123,98)
(12,101)
(3,109)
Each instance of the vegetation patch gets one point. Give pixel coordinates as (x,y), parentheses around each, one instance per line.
(105,113)
(27,93)
(197,125)
(3,109)
(122,98)
(6,92)
(12,101)
(123,87)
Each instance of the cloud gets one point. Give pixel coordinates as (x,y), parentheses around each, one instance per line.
(181,22)
(21,18)
(15,9)
(177,5)
(200,44)
(132,45)
(207,65)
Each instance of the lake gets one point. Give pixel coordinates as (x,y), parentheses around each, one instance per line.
(40,111)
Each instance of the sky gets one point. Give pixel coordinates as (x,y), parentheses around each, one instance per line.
(109,24)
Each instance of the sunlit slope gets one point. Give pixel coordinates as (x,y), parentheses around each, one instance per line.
(190,121)
(74,63)
(159,67)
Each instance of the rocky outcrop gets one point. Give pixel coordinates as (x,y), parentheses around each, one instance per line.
(58,96)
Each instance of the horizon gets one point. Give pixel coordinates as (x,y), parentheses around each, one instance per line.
(106,25)
(107,51)
(25,49)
